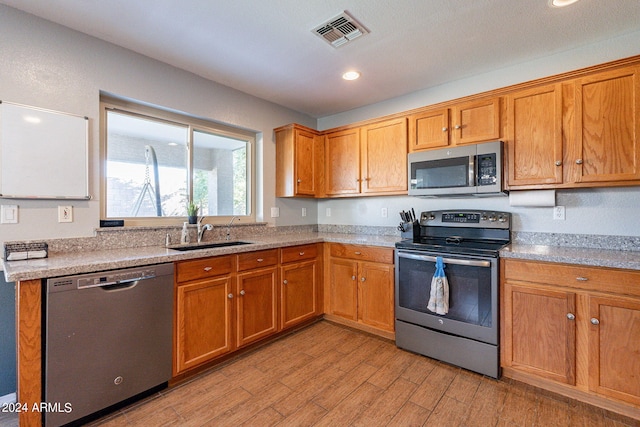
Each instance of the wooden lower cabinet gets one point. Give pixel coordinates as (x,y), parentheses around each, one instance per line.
(300,275)
(361,285)
(574,330)
(256,305)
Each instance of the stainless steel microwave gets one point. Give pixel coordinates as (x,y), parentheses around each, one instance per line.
(468,170)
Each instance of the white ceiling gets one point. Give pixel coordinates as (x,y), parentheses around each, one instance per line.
(267,49)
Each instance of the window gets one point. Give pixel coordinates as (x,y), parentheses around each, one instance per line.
(155,162)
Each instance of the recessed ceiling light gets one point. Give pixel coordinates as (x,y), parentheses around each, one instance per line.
(561,3)
(351,75)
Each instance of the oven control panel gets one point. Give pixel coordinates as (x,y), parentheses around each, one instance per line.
(466,218)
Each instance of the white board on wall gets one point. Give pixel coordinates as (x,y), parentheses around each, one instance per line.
(43,153)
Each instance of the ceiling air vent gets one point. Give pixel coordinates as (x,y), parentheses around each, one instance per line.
(340,30)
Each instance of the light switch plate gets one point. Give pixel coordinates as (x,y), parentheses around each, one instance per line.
(9,214)
(65,213)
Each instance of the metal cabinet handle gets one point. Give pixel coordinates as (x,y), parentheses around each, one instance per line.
(444,129)
(558,162)
(362,279)
(579,162)
(582,279)
(353,277)
(595,321)
(358,253)
(299,181)
(242,292)
(230,296)
(301,253)
(208,268)
(260,259)
(284,282)
(458,126)
(571,316)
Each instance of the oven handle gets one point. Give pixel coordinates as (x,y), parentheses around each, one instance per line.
(468,262)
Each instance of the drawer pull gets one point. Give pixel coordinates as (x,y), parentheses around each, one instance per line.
(260,259)
(582,279)
(595,321)
(208,268)
(301,253)
(358,253)
(571,316)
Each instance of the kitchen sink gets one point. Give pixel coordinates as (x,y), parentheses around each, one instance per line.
(209,245)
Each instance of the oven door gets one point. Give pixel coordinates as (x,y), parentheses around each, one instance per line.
(473,293)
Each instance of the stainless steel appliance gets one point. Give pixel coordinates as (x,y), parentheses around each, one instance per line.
(108,337)
(468,243)
(465,170)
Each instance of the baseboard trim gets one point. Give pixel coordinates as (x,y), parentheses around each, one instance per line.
(8,398)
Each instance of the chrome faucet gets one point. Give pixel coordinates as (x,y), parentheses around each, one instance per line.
(229,227)
(202,229)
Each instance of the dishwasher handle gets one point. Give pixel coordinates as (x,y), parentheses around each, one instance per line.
(113,284)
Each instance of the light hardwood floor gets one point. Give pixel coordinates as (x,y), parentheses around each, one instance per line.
(327,375)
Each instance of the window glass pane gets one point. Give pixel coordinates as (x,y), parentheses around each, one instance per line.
(220,174)
(146,167)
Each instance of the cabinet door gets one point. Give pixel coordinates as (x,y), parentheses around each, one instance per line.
(342,160)
(343,292)
(476,121)
(376,295)
(429,129)
(534,136)
(614,348)
(256,305)
(384,157)
(607,126)
(540,332)
(298,300)
(203,321)
(306,163)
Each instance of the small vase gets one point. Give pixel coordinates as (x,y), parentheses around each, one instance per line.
(193,219)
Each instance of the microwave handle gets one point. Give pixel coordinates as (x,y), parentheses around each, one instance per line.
(467,262)
(472,171)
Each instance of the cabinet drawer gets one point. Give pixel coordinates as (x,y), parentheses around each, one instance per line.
(362,253)
(203,268)
(574,276)
(299,253)
(258,259)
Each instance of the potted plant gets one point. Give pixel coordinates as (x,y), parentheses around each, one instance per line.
(192,212)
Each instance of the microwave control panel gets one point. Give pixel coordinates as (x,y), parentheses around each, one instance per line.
(487,169)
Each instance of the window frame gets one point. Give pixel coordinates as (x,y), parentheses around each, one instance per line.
(110,103)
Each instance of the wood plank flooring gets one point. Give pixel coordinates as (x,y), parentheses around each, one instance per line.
(328,375)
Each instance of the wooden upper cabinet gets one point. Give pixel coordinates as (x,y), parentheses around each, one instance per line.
(342,159)
(475,121)
(428,129)
(299,162)
(384,157)
(534,136)
(607,126)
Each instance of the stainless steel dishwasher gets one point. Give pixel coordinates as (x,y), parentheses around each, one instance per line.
(108,337)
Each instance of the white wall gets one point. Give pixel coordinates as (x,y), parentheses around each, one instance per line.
(50,66)
(611,211)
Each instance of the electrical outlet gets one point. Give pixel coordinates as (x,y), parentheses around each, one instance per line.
(275,212)
(328,212)
(65,213)
(304,211)
(384,212)
(559,213)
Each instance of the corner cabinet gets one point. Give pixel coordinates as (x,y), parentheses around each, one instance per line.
(574,330)
(360,287)
(299,162)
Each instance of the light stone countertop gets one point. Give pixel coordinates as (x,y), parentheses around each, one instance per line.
(572,255)
(71,263)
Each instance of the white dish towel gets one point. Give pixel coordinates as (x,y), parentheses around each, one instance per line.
(439,297)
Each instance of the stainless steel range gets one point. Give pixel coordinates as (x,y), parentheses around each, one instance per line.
(456,318)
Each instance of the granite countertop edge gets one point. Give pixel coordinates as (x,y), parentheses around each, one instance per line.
(612,258)
(71,263)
